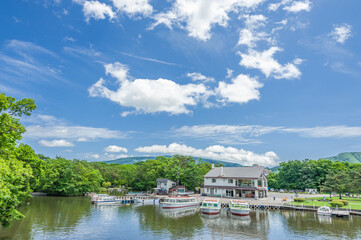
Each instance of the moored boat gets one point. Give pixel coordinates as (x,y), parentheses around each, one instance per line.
(104,199)
(146,200)
(239,208)
(211,206)
(178,202)
(324,210)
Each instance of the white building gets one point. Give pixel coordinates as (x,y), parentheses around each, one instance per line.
(247,182)
(163,185)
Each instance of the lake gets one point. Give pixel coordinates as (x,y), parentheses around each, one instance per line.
(77,218)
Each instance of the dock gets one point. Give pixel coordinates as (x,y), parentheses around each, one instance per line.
(337,213)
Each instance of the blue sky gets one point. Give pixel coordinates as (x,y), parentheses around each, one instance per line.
(246,81)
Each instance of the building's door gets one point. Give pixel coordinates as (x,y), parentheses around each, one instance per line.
(212,191)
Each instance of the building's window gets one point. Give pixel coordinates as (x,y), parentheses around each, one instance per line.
(213,180)
(230,180)
(229,193)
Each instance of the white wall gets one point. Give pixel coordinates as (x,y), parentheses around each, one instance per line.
(219,182)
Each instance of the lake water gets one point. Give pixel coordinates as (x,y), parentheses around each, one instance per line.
(76,218)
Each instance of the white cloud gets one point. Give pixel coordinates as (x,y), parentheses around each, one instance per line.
(298,6)
(275,6)
(250,35)
(46,126)
(229,73)
(115,156)
(146,95)
(341,33)
(242,89)
(218,152)
(96,156)
(97,10)
(132,7)
(199,77)
(198,17)
(214,132)
(56,143)
(269,66)
(114,148)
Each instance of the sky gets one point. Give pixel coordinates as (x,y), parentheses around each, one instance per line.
(243,81)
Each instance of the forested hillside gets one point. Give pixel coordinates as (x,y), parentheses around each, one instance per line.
(351,157)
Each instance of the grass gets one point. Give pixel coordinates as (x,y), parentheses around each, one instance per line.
(355,203)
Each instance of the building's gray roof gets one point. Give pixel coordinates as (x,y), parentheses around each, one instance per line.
(235,172)
(163,180)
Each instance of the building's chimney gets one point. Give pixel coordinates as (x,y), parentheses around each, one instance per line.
(212,165)
(221,170)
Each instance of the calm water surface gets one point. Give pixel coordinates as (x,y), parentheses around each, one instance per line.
(76,218)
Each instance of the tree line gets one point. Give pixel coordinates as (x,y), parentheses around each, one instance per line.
(22,171)
(324,175)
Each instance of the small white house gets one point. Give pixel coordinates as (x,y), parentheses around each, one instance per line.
(245,182)
(163,185)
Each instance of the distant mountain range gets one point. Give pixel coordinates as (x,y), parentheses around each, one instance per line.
(351,157)
(133,160)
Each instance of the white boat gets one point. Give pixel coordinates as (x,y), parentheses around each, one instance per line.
(211,206)
(239,208)
(326,211)
(146,200)
(104,199)
(178,202)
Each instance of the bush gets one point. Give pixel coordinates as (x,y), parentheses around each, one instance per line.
(299,200)
(337,204)
(345,202)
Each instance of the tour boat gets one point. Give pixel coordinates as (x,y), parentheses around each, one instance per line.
(239,208)
(178,202)
(324,211)
(104,199)
(211,206)
(146,200)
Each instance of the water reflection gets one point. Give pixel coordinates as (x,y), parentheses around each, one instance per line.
(76,218)
(180,212)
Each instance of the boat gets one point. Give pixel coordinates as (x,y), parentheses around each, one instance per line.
(146,200)
(178,202)
(211,206)
(239,208)
(104,199)
(324,210)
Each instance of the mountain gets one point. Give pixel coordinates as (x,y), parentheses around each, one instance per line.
(351,157)
(133,160)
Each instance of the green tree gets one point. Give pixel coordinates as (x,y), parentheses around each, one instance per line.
(339,182)
(14,174)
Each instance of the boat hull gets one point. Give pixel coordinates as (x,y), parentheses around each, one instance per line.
(107,202)
(324,213)
(146,201)
(240,212)
(210,211)
(179,205)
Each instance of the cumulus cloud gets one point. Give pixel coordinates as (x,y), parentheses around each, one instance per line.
(146,95)
(198,17)
(96,156)
(298,6)
(242,89)
(218,152)
(96,10)
(269,66)
(341,33)
(133,7)
(114,148)
(199,77)
(56,143)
